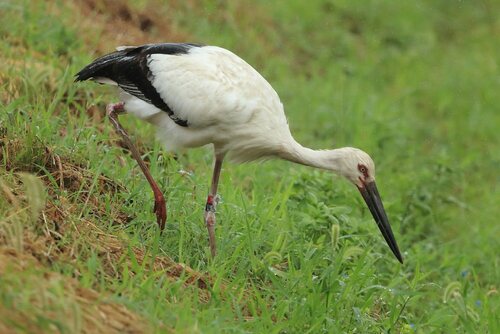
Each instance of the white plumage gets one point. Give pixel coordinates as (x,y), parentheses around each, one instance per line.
(197,95)
(226,102)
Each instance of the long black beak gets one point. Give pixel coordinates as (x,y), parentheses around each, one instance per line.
(372,198)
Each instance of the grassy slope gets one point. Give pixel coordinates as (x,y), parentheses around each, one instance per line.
(416,85)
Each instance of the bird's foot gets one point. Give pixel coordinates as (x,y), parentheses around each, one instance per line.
(210,222)
(115,108)
(160,209)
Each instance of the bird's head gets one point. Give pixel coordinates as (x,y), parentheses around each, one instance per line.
(358,167)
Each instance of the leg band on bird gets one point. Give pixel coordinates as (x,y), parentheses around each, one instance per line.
(211,203)
(160,209)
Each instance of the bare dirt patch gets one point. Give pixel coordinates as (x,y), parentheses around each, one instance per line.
(121,24)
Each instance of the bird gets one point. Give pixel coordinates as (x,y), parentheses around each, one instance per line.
(197,95)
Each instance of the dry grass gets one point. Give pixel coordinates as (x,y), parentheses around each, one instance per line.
(96,313)
(71,177)
(57,235)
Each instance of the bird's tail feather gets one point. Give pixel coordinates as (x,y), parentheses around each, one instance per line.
(101,67)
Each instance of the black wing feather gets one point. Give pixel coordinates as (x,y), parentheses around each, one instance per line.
(129,69)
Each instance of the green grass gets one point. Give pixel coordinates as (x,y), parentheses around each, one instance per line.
(415,84)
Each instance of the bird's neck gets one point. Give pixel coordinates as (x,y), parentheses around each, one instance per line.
(323,159)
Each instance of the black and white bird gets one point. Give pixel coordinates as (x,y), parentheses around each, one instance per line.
(197,95)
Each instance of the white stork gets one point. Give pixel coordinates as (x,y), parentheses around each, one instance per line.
(197,95)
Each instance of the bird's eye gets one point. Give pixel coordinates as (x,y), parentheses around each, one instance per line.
(363,170)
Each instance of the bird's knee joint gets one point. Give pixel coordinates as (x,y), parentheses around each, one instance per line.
(210,219)
(113,109)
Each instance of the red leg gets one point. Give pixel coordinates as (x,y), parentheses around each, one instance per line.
(212,203)
(160,208)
